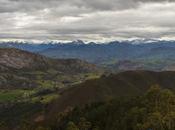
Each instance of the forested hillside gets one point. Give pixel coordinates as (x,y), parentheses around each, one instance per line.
(116,97)
(155,109)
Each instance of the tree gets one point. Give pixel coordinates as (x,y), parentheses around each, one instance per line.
(84,124)
(42,128)
(71,126)
(3,126)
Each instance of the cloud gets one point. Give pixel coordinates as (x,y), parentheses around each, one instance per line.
(86,19)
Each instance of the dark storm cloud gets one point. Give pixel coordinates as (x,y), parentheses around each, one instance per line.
(86,19)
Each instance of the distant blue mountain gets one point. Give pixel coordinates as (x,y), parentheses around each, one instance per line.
(137,54)
(27,46)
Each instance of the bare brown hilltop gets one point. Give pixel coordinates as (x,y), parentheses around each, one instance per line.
(19,59)
(25,69)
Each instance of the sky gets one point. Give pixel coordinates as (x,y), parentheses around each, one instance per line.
(88,20)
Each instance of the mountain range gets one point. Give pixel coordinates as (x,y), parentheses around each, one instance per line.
(157,55)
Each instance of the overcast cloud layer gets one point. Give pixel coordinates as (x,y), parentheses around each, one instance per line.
(91,20)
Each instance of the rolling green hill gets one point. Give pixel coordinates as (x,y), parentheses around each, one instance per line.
(125,84)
